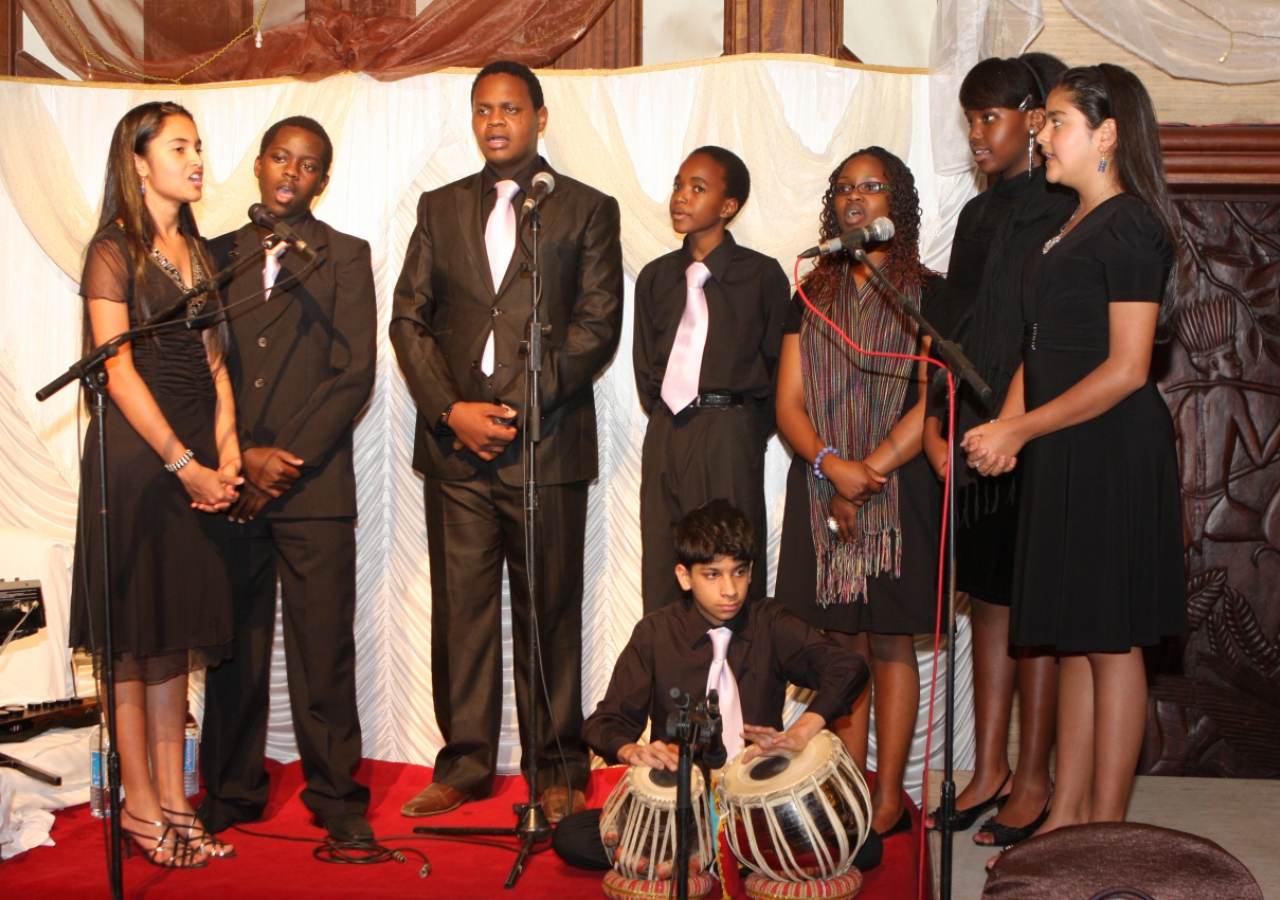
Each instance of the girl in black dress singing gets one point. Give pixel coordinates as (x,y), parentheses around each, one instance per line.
(1099,571)
(172,455)
(998,231)
(859,534)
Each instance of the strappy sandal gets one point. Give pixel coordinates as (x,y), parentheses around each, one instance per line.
(198,837)
(1006,836)
(963,819)
(181,854)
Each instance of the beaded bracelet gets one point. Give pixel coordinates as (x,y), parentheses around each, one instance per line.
(180,461)
(817,462)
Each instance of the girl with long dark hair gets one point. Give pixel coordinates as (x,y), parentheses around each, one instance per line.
(1099,571)
(981,309)
(172,455)
(859,541)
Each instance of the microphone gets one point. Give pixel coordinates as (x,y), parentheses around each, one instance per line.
(715,755)
(543,184)
(265,218)
(879,230)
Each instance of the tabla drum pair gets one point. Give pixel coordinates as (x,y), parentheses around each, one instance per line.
(798,817)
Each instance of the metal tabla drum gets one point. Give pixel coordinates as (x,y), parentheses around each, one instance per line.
(797,817)
(641,812)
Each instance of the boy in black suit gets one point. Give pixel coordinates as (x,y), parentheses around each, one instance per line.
(708,333)
(302,367)
(462,308)
(765,647)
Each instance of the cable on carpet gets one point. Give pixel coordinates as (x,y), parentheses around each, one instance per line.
(357,853)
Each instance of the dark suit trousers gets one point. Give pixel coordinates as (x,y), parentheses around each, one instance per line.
(472,528)
(689,459)
(316,563)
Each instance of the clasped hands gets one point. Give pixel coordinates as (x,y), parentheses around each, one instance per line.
(993,447)
(269,473)
(855,483)
(480,428)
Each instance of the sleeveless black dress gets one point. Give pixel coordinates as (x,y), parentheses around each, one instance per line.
(169,588)
(1099,561)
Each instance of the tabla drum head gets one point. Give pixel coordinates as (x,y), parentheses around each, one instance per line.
(766,775)
(659,786)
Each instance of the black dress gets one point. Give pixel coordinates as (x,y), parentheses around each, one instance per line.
(997,234)
(905,605)
(169,589)
(1099,561)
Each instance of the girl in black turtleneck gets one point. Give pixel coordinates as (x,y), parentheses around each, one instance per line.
(1003,101)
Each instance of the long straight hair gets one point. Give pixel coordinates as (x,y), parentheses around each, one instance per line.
(123,203)
(1138,161)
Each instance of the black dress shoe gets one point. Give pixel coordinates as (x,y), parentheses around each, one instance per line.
(870,853)
(349,828)
(902,826)
(963,819)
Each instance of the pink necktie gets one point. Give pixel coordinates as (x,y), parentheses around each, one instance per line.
(500,243)
(720,678)
(684,366)
(271,268)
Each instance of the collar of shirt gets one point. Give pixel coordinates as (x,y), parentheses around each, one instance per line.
(696,625)
(524,177)
(718,259)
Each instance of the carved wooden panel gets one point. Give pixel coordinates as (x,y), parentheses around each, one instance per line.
(613,41)
(182,27)
(1218,712)
(785,26)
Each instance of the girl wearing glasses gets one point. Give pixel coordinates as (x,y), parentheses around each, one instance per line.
(981,309)
(859,534)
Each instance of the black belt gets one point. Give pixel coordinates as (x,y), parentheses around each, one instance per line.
(717,401)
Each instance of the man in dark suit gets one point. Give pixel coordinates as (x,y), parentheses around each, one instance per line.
(462,308)
(302,366)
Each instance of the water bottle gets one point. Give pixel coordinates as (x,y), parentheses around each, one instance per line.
(99,804)
(191,757)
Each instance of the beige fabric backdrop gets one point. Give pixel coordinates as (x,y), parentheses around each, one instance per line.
(791,119)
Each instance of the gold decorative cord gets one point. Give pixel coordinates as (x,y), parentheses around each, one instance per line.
(90,55)
(1231,32)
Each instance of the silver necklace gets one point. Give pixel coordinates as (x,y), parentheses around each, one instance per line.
(197,276)
(1053,241)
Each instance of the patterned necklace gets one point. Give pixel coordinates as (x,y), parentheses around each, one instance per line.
(197,276)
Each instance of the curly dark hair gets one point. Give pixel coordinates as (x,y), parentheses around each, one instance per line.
(902,267)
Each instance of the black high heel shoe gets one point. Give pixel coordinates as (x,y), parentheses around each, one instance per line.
(902,826)
(963,819)
(1005,836)
(198,837)
(181,854)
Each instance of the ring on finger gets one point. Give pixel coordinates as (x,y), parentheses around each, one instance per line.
(833,524)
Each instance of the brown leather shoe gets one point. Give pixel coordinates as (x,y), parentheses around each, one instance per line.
(556,803)
(434,799)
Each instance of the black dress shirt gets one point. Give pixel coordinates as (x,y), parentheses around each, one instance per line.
(670,648)
(524,178)
(747,297)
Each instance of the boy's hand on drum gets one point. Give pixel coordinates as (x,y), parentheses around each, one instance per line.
(771,742)
(655,755)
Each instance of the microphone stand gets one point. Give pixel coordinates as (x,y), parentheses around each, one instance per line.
(532,827)
(90,370)
(960,366)
(697,729)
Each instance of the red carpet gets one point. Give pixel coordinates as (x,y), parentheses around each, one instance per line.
(275,869)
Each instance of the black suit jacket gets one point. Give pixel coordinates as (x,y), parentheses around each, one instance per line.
(445,307)
(302,363)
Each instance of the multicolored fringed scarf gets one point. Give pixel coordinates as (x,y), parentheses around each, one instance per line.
(854,401)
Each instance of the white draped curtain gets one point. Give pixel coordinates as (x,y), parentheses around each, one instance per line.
(792,120)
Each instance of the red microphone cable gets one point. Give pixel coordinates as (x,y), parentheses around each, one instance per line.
(942,550)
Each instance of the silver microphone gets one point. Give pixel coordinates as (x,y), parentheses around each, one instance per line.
(543,184)
(879,230)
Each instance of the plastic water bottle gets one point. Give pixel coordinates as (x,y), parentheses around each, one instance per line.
(191,757)
(99,804)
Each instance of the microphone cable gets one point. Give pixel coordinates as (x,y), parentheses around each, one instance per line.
(942,553)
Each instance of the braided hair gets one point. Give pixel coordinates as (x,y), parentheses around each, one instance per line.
(902,267)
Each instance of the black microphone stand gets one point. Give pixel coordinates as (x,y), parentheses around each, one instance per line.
(90,370)
(960,366)
(532,827)
(699,729)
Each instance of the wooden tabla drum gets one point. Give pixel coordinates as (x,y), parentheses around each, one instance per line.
(797,817)
(641,811)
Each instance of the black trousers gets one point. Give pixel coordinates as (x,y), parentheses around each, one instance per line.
(576,840)
(473,527)
(315,560)
(689,459)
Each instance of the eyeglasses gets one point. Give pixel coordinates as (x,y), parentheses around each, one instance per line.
(866,189)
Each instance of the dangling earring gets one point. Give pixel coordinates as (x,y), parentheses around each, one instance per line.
(144,188)
(1102,164)
(1031,152)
